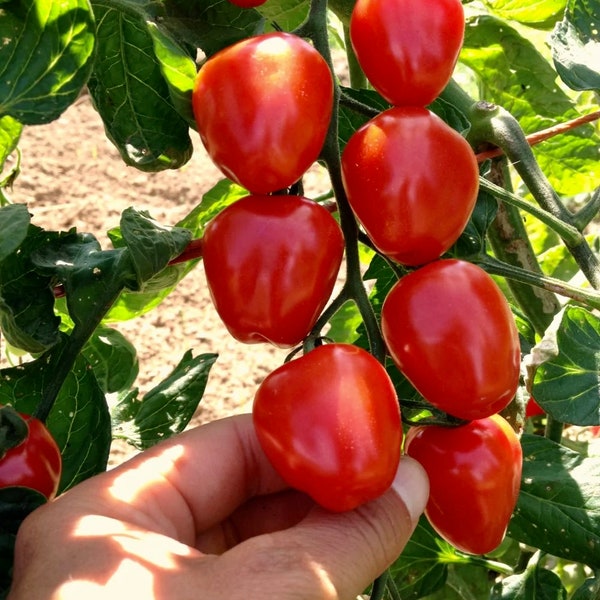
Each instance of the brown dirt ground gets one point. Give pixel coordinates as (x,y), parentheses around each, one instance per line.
(72,176)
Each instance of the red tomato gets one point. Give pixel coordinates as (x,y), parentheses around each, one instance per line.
(533,409)
(412,182)
(247,3)
(35,462)
(262,107)
(329,422)
(449,329)
(407,48)
(271,263)
(474,475)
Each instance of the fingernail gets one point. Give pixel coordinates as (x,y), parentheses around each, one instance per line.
(412,485)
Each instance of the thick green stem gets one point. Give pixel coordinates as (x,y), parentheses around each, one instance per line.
(62,359)
(509,241)
(315,27)
(557,286)
(355,72)
(492,124)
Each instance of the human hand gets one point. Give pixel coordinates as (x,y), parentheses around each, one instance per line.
(204,515)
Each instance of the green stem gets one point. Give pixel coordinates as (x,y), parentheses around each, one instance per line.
(509,241)
(491,123)
(316,28)
(583,217)
(355,72)
(554,429)
(567,232)
(62,359)
(497,267)
(379,587)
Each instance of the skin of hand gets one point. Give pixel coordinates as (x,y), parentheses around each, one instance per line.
(204,515)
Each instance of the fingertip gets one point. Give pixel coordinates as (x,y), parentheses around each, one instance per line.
(411,484)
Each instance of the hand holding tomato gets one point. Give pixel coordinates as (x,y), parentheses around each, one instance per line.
(204,515)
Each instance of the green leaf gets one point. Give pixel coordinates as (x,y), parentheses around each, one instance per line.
(79,420)
(92,277)
(178,70)
(131,304)
(10,132)
(538,583)
(130,92)
(473,240)
(210,24)
(532,13)
(513,74)
(113,358)
(558,509)
(575,44)
(588,590)
(344,324)
(167,408)
(14,226)
(150,245)
(27,314)
(566,382)
(45,58)
(286,14)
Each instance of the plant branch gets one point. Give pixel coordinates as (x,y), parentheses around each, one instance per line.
(492,124)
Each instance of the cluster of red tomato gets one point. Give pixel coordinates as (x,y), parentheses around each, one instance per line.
(330,421)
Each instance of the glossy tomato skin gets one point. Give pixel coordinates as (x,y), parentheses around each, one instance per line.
(412,182)
(271,263)
(329,422)
(407,48)
(35,463)
(474,475)
(262,107)
(450,330)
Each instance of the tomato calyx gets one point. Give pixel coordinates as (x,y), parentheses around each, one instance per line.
(13,429)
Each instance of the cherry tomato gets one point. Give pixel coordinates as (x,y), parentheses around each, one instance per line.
(35,462)
(247,3)
(271,263)
(474,475)
(533,409)
(407,48)
(412,182)
(262,107)
(329,422)
(450,330)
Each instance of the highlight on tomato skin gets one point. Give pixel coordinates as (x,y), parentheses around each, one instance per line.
(474,474)
(329,423)
(262,107)
(34,463)
(271,263)
(450,330)
(412,183)
(408,48)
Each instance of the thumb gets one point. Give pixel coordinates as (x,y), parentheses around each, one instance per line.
(331,556)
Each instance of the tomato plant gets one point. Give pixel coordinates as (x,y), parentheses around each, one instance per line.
(262,107)
(422,41)
(254,285)
(444,261)
(33,460)
(396,174)
(474,475)
(329,422)
(450,330)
